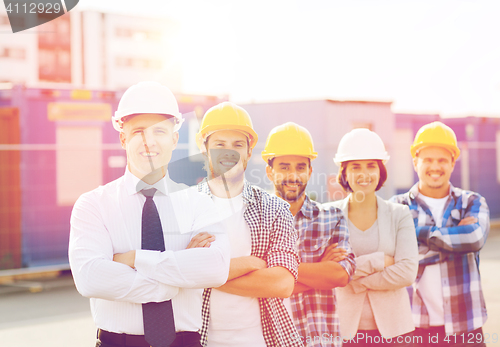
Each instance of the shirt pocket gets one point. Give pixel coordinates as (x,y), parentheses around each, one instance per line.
(313,248)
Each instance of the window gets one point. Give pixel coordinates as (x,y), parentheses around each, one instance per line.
(138,63)
(54,51)
(54,65)
(138,34)
(47,62)
(14,53)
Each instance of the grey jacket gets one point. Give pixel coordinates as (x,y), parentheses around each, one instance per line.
(385,287)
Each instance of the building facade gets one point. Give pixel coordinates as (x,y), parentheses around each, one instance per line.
(91,50)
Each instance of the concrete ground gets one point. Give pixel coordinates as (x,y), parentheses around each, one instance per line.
(57,316)
(490,279)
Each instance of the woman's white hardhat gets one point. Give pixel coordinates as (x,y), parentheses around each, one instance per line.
(361,144)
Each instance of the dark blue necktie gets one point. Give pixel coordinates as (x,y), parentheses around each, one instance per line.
(159,328)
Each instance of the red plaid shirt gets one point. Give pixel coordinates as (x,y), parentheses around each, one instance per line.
(273,239)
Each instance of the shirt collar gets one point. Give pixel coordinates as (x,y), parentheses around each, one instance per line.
(133,184)
(248,193)
(309,209)
(414,192)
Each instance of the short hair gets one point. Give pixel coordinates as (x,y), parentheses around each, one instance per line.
(342,176)
(206,142)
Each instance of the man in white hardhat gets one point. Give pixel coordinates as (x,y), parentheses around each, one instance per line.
(248,310)
(142,247)
(325,253)
(452,225)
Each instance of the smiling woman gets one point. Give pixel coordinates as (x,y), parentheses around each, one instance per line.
(383,239)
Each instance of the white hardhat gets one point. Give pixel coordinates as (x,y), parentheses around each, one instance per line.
(147,97)
(360,144)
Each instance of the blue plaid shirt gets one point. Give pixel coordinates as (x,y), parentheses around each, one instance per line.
(314,311)
(273,239)
(458,247)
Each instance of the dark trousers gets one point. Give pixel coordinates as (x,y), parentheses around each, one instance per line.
(436,337)
(182,339)
(372,338)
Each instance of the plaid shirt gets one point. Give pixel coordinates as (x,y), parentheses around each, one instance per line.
(458,247)
(314,311)
(273,239)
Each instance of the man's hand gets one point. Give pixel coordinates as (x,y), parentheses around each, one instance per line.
(332,253)
(201,240)
(388,260)
(125,258)
(468,221)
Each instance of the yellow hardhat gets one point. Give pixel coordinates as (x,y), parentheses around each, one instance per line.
(436,134)
(289,139)
(226,116)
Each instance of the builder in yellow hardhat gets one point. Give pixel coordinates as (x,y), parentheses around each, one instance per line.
(247,310)
(452,225)
(326,258)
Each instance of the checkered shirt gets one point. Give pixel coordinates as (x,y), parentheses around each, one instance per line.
(314,311)
(458,247)
(273,239)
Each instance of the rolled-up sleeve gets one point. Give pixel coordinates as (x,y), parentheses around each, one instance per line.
(282,249)
(349,263)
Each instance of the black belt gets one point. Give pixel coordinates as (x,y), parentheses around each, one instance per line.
(139,340)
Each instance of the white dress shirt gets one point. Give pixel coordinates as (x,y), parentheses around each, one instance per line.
(108,220)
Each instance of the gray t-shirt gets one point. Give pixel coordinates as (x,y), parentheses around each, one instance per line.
(362,243)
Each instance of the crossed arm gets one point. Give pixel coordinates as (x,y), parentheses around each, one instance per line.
(200,265)
(325,274)
(252,276)
(378,271)
(468,236)
(94,272)
(151,276)
(335,267)
(249,276)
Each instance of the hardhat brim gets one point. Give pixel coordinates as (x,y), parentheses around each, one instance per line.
(455,151)
(118,123)
(209,130)
(339,160)
(267,156)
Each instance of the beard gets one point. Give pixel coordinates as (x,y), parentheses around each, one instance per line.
(233,173)
(291,196)
(432,184)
